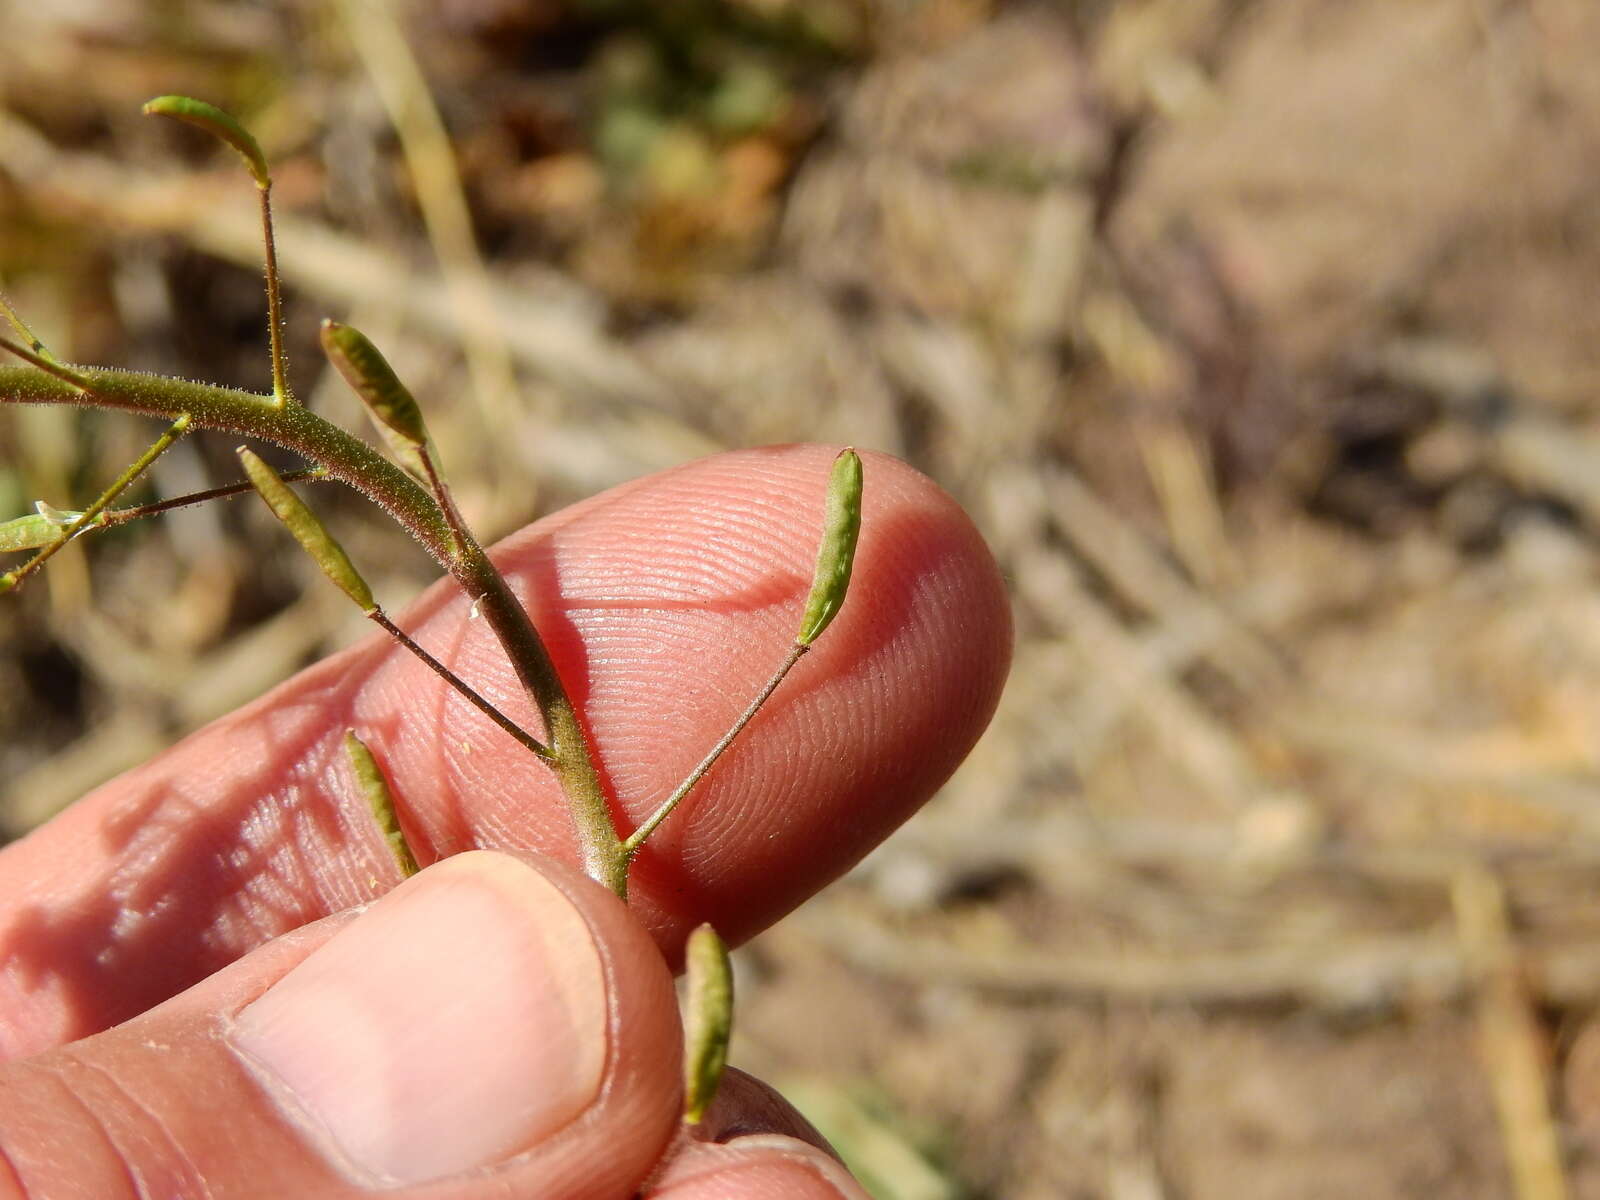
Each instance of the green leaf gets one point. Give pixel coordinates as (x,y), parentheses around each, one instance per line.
(56,516)
(307,530)
(390,402)
(30,532)
(841,527)
(707,1021)
(375,787)
(220,125)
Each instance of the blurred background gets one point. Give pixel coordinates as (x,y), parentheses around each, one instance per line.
(1261,340)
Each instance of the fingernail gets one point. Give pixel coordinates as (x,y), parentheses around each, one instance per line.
(457,1023)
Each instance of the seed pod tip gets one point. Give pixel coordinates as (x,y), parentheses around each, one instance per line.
(708,1020)
(220,125)
(841,529)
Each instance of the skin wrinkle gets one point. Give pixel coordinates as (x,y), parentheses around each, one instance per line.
(11,1184)
(741,536)
(89,1125)
(152,824)
(746,1159)
(190,1179)
(773,491)
(340,825)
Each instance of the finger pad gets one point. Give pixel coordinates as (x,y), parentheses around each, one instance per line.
(668,606)
(665,604)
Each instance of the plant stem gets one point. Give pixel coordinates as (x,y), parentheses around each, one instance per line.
(354,462)
(631,844)
(447,502)
(27,335)
(230,410)
(280,387)
(111,518)
(378,617)
(603,856)
(36,354)
(121,516)
(12,579)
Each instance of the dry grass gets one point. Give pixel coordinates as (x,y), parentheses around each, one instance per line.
(1260,341)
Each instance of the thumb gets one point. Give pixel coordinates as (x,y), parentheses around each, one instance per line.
(490,1027)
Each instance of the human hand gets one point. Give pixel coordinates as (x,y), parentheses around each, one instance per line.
(497,1025)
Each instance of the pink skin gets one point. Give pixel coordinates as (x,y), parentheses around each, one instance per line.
(448,1085)
(665,604)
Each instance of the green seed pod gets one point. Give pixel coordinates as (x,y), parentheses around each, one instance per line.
(307,530)
(219,125)
(707,1020)
(390,402)
(375,787)
(841,526)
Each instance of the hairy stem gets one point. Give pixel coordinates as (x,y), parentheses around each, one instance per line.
(230,410)
(280,385)
(121,516)
(88,516)
(441,494)
(21,326)
(603,856)
(352,461)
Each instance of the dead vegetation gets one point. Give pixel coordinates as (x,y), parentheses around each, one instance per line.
(1258,337)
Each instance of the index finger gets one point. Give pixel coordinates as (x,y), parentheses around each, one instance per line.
(664,603)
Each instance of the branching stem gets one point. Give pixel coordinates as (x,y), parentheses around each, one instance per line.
(352,461)
(427,510)
(26,334)
(112,517)
(13,579)
(447,502)
(121,516)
